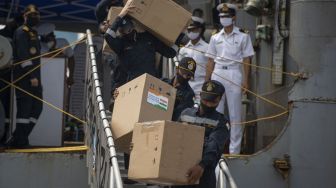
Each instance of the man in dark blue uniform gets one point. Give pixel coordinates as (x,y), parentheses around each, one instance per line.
(216,134)
(27,45)
(185,94)
(136,48)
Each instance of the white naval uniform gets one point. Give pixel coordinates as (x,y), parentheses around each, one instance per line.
(228,51)
(198,55)
(60,43)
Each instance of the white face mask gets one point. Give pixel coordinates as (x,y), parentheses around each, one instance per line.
(50,44)
(226,22)
(193,35)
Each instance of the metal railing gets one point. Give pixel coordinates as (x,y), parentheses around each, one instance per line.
(224,177)
(101,157)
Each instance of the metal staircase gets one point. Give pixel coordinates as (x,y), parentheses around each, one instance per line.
(106,166)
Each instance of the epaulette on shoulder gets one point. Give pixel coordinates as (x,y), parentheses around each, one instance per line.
(214,32)
(25,28)
(244,31)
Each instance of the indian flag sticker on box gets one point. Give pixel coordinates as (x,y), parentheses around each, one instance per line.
(157,100)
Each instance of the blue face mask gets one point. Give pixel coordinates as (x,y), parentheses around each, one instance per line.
(181,80)
(32,21)
(208,109)
(130,36)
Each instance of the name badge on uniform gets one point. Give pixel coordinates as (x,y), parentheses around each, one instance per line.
(219,42)
(32,50)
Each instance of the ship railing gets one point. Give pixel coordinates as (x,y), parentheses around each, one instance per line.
(225,179)
(102,161)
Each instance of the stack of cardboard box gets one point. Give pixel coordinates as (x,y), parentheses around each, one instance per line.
(161,151)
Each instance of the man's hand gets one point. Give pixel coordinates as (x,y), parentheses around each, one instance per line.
(115,93)
(104,26)
(128,8)
(194,174)
(34,82)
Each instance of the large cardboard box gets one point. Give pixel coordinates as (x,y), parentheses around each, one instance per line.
(163,152)
(163,18)
(145,98)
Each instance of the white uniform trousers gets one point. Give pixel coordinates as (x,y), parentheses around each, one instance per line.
(233,94)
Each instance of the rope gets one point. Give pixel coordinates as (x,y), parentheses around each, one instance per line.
(262,119)
(49,150)
(297,75)
(47,103)
(247,90)
(32,70)
(253,93)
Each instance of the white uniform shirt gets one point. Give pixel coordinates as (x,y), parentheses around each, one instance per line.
(230,49)
(60,43)
(198,55)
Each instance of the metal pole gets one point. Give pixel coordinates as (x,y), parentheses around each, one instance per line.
(114,172)
(224,167)
(221,179)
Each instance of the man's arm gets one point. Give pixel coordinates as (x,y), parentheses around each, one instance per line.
(248,52)
(247,68)
(211,54)
(214,147)
(110,36)
(163,49)
(114,42)
(209,69)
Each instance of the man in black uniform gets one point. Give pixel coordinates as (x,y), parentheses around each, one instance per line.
(216,134)
(185,94)
(136,48)
(27,45)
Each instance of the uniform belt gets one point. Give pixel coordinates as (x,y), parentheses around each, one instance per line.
(227,67)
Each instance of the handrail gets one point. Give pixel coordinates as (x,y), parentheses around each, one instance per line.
(95,101)
(225,175)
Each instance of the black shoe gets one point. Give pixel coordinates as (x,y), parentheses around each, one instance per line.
(13,143)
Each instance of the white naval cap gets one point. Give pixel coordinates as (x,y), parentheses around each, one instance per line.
(45,29)
(227,9)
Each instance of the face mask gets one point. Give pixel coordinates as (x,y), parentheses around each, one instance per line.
(51,44)
(181,80)
(192,35)
(130,36)
(207,109)
(226,22)
(32,21)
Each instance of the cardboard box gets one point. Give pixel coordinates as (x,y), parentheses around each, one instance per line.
(163,152)
(163,18)
(145,98)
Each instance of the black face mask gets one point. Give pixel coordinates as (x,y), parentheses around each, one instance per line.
(208,109)
(32,21)
(130,36)
(181,80)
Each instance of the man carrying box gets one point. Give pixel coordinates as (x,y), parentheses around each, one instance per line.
(135,47)
(216,134)
(184,95)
